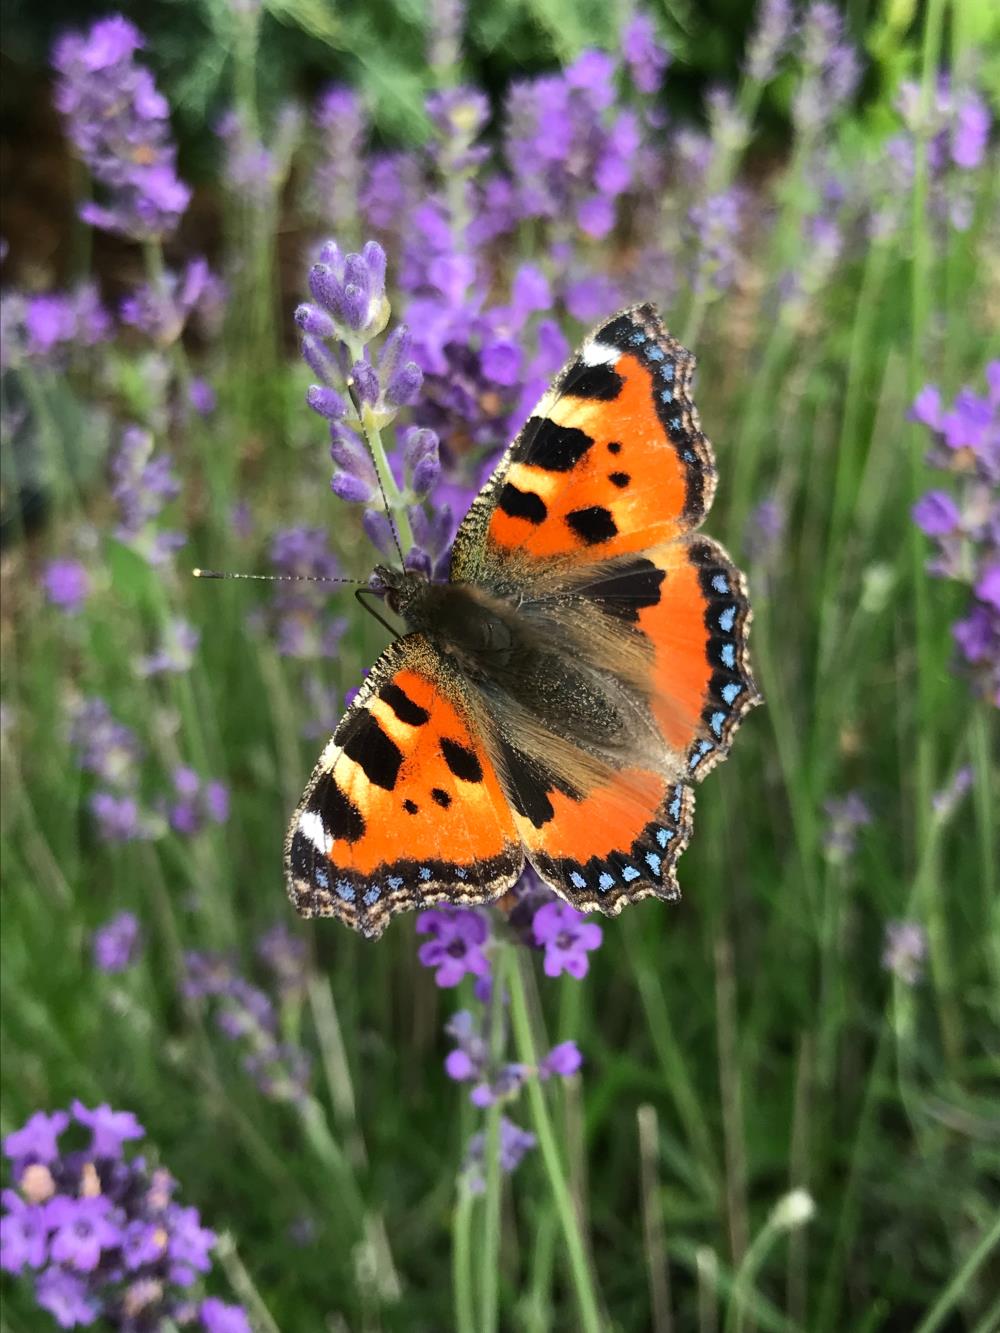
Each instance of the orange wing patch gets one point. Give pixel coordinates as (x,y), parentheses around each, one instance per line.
(613,461)
(404,807)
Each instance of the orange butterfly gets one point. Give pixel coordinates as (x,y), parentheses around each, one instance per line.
(555,699)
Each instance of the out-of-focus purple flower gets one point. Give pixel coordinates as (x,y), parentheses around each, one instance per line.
(37,1140)
(515,1143)
(116,945)
(562,1061)
(936,513)
(445,21)
(246,1015)
(142,485)
(645,56)
(196,801)
(175,652)
(23,1234)
(254,171)
(67,584)
(218,1317)
(470,1063)
(66,1298)
(52,328)
(298,615)
(459,115)
(905,950)
(201,396)
(845,815)
(337,183)
(455,948)
(970,131)
(766,529)
(105,747)
(285,955)
(715,224)
(119,125)
(110,1129)
(161,310)
(115,1242)
(121,818)
(567,938)
(769,39)
(829,69)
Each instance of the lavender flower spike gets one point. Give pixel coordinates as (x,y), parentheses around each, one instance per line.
(119,125)
(350,290)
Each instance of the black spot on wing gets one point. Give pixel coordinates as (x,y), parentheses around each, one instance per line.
(341,817)
(627,590)
(597,382)
(377,755)
(555,448)
(529,784)
(402,705)
(619,479)
(614,447)
(440,798)
(461,760)
(410,807)
(301,855)
(593,524)
(522,504)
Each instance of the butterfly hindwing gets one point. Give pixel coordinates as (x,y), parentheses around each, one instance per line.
(404,807)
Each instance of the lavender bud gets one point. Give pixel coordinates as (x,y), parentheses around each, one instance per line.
(327,402)
(378,530)
(355,307)
(350,488)
(374,257)
(326,289)
(329,253)
(319,359)
(418,560)
(365,382)
(421,460)
(404,387)
(316,322)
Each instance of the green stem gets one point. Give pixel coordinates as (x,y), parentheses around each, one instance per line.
(461,1259)
(243,1285)
(580,1271)
(490,1268)
(953,1292)
(393,495)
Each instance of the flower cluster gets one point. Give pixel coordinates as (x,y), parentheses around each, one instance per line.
(117,944)
(161,310)
(67,584)
(101,1234)
(142,484)
(196,801)
(905,950)
(52,328)
(119,125)
(111,752)
(963,521)
(245,1014)
(845,816)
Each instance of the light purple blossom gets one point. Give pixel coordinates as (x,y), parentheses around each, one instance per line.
(936,513)
(845,816)
(455,948)
(514,1144)
(23,1234)
(109,1129)
(143,483)
(38,1140)
(645,56)
(562,1061)
(218,1317)
(197,801)
(116,945)
(81,1228)
(567,938)
(119,125)
(67,584)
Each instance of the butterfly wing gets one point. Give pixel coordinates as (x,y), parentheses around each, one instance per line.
(595,507)
(404,808)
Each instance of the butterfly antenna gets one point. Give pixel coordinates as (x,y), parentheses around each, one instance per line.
(378,476)
(273,578)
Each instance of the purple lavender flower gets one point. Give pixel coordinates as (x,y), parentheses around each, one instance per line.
(945,801)
(116,945)
(202,396)
(163,309)
(118,123)
(67,584)
(142,485)
(905,950)
(470,1063)
(337,183)
(50,329)
(349,291)
(562,1061)
(936,514)
(105,747)
(175,652)
(445,21)
(121,818)
(769,39)
(298,616)
(218,1317)
(845,815)
(970,131)
(829,69)
(455,948)
(515,1143)
(285,955)
(245,1014)
(101,1235)
(196,802)
(567,937)
(645,57)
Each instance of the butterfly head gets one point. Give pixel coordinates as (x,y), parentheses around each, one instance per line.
(400,588)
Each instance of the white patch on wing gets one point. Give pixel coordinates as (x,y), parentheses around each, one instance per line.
(594,353)
(312,829)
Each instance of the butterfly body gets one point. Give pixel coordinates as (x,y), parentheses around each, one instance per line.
(558,696)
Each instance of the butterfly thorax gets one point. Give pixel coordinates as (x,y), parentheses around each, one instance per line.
(460,618)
